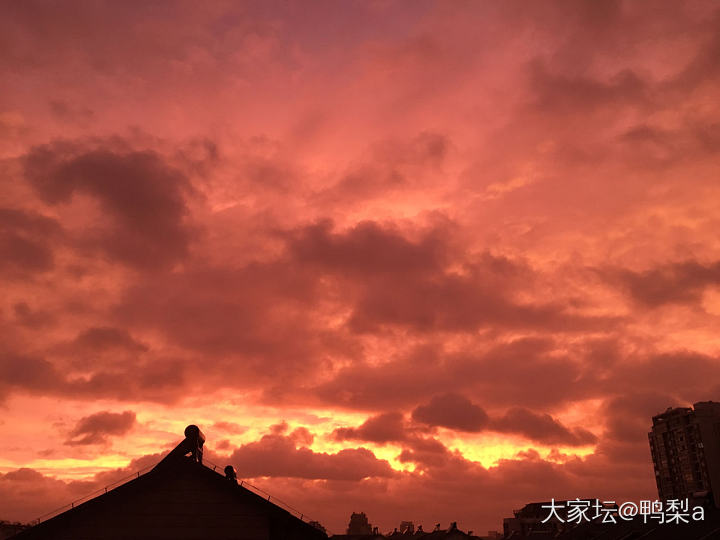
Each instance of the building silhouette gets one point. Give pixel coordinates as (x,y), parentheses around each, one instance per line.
(685,448)
(451,533)
(532,519)
(359,525)
(179,499)
(9,529)
(359,528)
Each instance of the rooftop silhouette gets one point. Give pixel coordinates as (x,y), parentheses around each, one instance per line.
(181,498)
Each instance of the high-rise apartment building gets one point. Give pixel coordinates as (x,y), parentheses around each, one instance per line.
(685,448)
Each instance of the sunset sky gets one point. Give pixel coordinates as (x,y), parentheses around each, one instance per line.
(427,260)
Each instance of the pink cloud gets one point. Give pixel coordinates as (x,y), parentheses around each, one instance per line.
(95,429)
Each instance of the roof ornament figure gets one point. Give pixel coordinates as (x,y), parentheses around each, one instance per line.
(230,474)
(193,443)
(190,448)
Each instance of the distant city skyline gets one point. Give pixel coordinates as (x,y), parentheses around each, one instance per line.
(431,261)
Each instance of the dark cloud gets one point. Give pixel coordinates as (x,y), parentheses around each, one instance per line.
(366,250)
(162,380)
(505,374)
(27,372)
(98,41)
(302,436)
(542,428)
(458,304)
(26,242)
(704,67)
(427,453)
(141,193)
(101,338)
(130,377)
(456,412)
(365,386)
(383,428)
(628,418)
(277,455)
(452,411)
(676,283)
(225,310)
(260,312)
(31,318)
(279,428)
(68,112)
(223,444)
(96,428)
(199,157)
(682,374)
(108,349)
(558,93)
(661,150)
(395,281)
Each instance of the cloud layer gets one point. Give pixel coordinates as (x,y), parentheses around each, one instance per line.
(405,261)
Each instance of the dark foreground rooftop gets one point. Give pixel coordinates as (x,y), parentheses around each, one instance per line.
(180,499)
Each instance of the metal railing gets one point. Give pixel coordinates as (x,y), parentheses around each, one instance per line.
(92,495)
(261,492)
(206,463)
